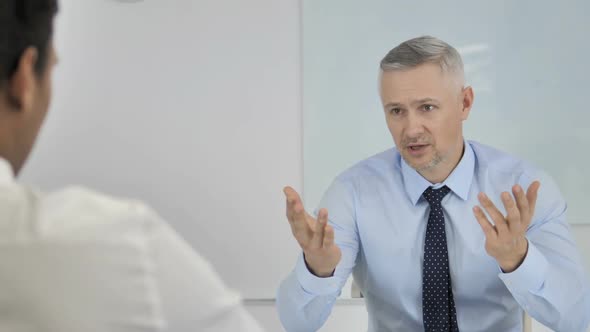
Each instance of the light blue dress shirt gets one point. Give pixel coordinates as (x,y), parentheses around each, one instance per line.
(379,218)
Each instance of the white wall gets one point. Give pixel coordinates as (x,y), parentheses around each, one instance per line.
(191,106)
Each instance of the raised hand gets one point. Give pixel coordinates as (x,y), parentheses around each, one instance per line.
(315,237)
(505,239)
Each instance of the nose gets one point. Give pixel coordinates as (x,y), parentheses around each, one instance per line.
(414,126)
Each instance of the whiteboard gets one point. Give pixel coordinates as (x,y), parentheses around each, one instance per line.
(191,106)
(526,60)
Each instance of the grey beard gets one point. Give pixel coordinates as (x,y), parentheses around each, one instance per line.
(438,158)
(433,163)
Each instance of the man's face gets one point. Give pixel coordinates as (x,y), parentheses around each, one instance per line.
(425,108)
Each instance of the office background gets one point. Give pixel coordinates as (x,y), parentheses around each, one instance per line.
(525,61)
(195,107)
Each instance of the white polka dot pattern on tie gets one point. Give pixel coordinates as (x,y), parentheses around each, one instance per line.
(438,304)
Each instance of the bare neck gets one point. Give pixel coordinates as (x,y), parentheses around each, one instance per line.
(8,140)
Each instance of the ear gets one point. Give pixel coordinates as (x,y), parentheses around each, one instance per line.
(22,84)
(467,102)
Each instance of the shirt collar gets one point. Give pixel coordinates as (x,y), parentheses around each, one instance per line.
(6,172)
(459,181)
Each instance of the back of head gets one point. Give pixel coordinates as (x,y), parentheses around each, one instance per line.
(26,55)
(24,23)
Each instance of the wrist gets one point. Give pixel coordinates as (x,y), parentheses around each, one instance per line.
(317,271)
(513,263)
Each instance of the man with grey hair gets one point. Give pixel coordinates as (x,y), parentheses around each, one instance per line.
(440,233)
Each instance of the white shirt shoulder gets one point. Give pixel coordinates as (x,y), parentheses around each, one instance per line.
(76,259)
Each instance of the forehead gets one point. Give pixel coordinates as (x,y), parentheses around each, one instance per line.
(427,80)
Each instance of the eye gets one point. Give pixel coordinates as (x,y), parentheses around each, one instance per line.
(428,107)
(395,111)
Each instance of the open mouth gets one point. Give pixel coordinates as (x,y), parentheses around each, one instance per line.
(417,147)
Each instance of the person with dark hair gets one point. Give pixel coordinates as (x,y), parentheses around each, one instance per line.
(77,260)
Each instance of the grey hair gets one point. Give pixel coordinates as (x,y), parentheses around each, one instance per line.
(422,50)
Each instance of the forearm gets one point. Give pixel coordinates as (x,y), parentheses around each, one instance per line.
(299,310)
(552,290)
(304,301)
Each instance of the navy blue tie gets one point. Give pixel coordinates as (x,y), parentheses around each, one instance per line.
(438,305)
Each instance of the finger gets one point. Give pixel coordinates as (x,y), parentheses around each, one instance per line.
(289,202)
(531,195)
(317,240)
(288,212)
(291,195)
(301,229)
(295,209)
(485,224)
(513,216)
(494,213)
(328,236)
(297,217)
(522,202)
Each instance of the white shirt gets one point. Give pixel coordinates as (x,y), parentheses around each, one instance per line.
(76,260)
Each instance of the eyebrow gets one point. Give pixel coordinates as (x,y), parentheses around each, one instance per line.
(415,102)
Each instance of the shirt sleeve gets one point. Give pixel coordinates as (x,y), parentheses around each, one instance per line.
(551,284)
(193,297)
(305,301)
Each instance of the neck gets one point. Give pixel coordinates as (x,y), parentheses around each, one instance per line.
(8,150)
(441,172)
(5,155)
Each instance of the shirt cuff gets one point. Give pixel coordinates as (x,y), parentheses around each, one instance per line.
(312,284)
(530,275)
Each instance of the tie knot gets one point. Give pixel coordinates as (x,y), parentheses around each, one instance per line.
(435,196)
